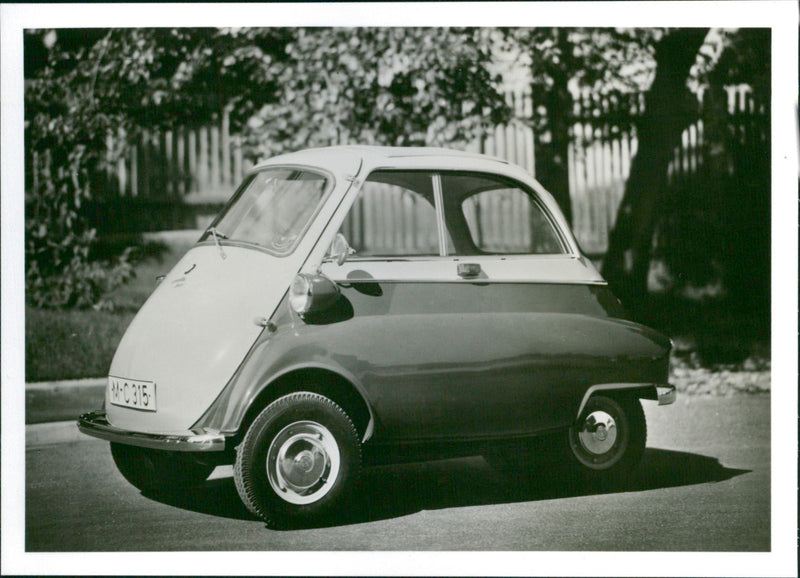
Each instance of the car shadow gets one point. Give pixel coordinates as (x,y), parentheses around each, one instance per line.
(216,496)
(394,491)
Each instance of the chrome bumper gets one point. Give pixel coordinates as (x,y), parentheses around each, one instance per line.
(666,394)
(96,424)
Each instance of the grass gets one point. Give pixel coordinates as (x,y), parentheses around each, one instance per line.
(71,344)
(81,343)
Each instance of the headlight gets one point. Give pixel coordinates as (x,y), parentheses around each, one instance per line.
(300,294)
(311,293)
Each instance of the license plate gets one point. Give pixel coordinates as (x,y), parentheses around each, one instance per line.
(132,393)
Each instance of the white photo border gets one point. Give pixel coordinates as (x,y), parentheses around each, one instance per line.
(781,17)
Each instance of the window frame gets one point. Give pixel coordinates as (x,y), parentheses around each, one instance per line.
(330,184)
(535,200)
(442,231)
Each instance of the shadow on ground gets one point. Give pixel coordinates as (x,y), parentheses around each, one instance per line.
(393,491)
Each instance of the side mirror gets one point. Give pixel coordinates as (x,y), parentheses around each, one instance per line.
(340,249)
(312,293)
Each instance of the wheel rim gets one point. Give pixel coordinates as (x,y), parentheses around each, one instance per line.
(598,440)
(303,462)
(598,433)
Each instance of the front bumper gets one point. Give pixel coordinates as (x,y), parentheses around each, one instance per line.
(96,424)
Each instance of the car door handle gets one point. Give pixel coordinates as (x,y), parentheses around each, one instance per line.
(469,270)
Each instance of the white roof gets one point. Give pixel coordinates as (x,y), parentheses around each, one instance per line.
(336,158)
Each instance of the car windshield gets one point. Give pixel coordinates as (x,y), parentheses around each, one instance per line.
(271,210)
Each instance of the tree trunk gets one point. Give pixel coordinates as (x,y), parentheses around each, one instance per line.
(668,107)
(551,156)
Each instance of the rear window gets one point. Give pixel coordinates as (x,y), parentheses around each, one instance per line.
(496,217)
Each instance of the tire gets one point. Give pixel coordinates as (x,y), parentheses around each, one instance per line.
(157,470)
(299,461)
(608,439)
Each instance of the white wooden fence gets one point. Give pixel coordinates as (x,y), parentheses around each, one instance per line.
(202,166)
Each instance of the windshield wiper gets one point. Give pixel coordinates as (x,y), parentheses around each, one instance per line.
(217,236)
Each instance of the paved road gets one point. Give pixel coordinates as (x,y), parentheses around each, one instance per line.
(703,486)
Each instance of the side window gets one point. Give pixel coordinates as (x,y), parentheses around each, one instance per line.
(489,216)
(393,216)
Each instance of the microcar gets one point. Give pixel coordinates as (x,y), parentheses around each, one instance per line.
(358,305)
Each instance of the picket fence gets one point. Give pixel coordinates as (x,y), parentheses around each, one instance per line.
(199,168)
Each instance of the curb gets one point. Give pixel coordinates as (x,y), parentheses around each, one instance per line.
(56,401)
(67,384)
(45,434)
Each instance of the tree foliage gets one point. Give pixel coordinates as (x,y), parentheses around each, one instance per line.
(284,88)
(711,233)
(391,86)
(596,59)
(66,122)
(564,62)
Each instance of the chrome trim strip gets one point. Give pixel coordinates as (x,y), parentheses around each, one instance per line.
(96,424)
(666,390)
(349,280)
(543,269)
(440,222)
(458,257)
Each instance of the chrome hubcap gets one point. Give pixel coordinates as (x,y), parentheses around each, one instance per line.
(303,462)
(598,433)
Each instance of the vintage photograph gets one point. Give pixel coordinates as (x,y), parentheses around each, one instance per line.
(395,287)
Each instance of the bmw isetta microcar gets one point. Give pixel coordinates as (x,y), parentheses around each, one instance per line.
(358,305)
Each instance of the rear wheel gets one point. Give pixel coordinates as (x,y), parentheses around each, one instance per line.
(609,437)
(298,461)
(157,470)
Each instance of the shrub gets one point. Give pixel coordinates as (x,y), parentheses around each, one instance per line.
(66,129)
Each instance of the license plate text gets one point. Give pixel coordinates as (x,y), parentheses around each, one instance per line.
(132,393)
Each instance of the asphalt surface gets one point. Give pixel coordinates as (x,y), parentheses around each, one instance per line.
(703,485)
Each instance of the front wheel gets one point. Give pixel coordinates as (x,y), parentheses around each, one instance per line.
(609,437)
(299,460)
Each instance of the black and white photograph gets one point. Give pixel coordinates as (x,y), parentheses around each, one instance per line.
(400,288)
